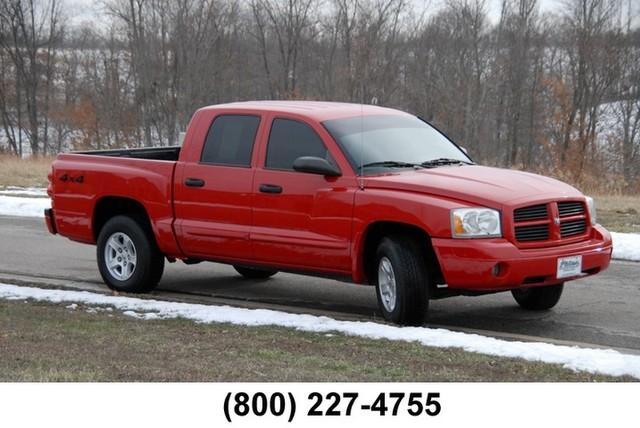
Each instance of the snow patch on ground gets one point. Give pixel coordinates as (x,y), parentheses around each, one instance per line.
(39,192)
(604,361)
(626,246)
(23,206)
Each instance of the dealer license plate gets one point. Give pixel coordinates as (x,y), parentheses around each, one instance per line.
(569,266)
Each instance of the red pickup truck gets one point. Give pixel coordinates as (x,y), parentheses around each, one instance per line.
(362,193)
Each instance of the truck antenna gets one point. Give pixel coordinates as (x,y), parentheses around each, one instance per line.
(361,180)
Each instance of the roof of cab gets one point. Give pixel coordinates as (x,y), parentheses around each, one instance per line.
(317,110)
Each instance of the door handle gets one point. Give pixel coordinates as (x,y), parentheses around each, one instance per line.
(194,182)
(270,188)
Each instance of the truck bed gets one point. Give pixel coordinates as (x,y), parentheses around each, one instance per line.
(153,153)
(81,181)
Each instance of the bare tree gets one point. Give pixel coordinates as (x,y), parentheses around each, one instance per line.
(517,29)
(627,110)
(31,34)
(556,94)
(287,23)
(589,27)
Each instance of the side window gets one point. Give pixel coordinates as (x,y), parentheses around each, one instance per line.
(290,139)
(230,140)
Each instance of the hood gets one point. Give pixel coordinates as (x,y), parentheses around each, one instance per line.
(491,187)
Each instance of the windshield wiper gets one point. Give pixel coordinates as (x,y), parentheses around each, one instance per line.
(391,164)
(444,161)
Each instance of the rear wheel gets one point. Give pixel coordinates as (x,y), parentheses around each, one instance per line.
(538,298)
(255,273)
(402,280)
(128,257)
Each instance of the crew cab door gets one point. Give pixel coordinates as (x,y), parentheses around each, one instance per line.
(301,220)
(212,187)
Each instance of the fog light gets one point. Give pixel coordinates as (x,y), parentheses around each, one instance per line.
(497,269)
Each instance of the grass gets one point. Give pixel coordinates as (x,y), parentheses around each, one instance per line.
(619,213)
(24,173)
(48,342)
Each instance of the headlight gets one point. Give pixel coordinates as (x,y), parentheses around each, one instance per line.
(475,223)
(591,206)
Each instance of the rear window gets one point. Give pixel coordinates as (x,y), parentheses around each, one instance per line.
(230,140)
(289,140)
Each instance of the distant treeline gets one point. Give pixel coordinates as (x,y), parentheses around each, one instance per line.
(558,94)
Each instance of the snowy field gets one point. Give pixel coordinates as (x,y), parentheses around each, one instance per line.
(23,206)
(603,361)
(626,246)
(37,192)
(30,202)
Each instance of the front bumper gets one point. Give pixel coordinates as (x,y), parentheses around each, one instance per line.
(469,264)
(50,221)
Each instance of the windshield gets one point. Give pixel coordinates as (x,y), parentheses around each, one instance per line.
(383,142)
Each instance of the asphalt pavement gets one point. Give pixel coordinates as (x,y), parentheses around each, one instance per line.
(603,310)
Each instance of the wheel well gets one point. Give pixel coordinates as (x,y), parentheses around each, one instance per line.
(377,231)
(111,206)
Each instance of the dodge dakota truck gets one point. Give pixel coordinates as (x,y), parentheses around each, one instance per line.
(365,194)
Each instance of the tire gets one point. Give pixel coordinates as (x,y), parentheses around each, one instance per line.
(125,238)
(538,298)
(255,273)
(409,273)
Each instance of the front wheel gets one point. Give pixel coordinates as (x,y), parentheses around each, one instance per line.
(538,298)
(402,280)
(128,257)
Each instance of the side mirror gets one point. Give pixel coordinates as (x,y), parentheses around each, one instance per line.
(315,165)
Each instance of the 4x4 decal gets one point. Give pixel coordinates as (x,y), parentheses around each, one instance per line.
(66,177)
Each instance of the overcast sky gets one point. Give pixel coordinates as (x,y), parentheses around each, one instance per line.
(80,11)
(86,9)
